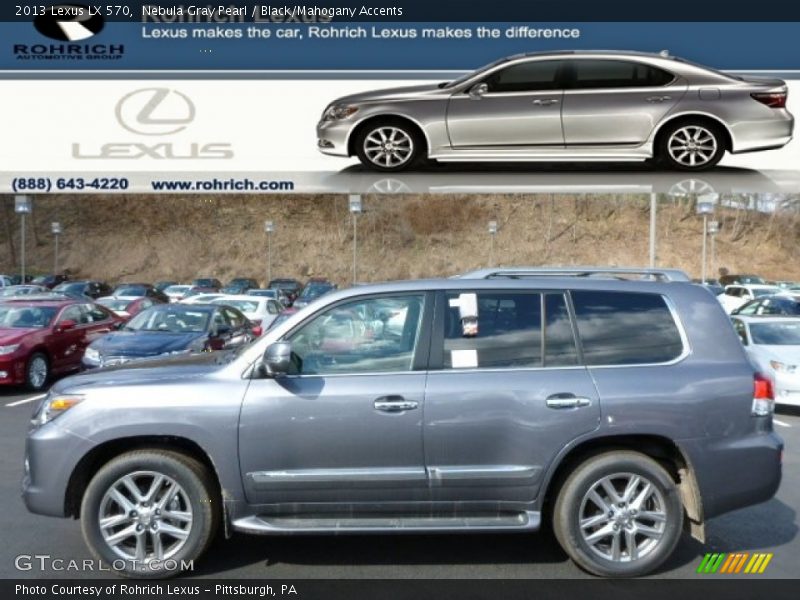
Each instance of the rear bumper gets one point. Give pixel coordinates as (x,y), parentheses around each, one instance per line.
(764,134)
(737,472)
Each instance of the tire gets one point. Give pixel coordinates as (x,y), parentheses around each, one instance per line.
(37,372)
(598,556)
(691,145)
(406,145)
(195,496)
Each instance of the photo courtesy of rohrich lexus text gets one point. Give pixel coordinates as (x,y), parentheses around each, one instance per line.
(399,300)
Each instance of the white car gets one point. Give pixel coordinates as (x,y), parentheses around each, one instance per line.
(177,292)
(5,281)
(773,346)
(736,295)
(259,310)
(201,298)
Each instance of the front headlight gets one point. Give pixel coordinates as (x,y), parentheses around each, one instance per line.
(337,112)
(55,405)
(5,350)
(92,355)
(782,367)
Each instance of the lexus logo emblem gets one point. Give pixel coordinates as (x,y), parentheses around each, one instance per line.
(68,22)
(155,111)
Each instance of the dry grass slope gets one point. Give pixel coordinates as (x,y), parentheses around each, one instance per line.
(164,237)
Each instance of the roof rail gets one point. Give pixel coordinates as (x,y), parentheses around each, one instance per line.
(646,274)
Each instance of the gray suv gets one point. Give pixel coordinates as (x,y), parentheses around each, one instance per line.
(616,405)
(564,106)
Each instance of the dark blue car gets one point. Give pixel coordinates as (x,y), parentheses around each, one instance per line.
(172,329)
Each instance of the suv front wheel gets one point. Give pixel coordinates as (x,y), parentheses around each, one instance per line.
(619,514)
(149,513)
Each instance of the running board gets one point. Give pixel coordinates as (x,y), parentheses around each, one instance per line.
(377,523)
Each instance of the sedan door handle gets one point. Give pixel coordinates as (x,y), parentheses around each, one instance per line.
(394,404)
(545,102)
(658,98)
(567,401)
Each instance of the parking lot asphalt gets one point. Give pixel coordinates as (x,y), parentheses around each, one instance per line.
(768,527)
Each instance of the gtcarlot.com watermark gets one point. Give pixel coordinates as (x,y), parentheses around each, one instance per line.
(47,562)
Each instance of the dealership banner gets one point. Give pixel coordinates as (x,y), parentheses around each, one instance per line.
(144,96)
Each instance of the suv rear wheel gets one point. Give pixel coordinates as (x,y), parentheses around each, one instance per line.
(147,512)
(619,514)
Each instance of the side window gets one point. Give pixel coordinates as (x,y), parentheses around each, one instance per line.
(272,307)
(71,313)
(622,328)
(373,335)
(750,308)
(234,318)
(599,74)
(146,303)
(509,332)
(741,330)
(531,76)
(95,314)
(559,343)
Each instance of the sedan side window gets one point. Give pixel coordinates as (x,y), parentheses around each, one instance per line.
(741,330)
(531,76)
(598,74)
(375,335)
(749,309)
(72,313)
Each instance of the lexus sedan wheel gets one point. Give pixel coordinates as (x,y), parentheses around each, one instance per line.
(389,145)
(38,372)
(619,515)
(691,146)
(146,513)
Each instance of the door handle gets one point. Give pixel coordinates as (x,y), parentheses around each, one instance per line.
(545,102)
(658,98)
(567,401)
(394,404)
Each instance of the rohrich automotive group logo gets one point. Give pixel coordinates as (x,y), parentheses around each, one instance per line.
(68,24)
(154,111)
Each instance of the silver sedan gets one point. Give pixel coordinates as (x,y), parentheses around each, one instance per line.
(564,106)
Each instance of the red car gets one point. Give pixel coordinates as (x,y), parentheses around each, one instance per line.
(43,338)
(127,307)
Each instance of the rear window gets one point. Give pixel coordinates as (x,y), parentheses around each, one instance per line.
(623,328)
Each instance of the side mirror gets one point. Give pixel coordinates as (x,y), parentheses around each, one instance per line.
(478,91)
(277,359)
(66,325)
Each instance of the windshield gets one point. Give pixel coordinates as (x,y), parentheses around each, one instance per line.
(263,293)
(207,283)
(26,317)
(70,288)
(176,289)
(283,285)
(315,291)
(130,290)
(114,304)
(776,334)
(466,77)
(170,320)
(765,292)
(246,306)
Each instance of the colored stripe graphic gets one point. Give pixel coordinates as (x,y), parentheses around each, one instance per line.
(734,563)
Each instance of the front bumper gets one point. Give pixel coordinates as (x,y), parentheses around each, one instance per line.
(333,137)
(51,455)
(12,369)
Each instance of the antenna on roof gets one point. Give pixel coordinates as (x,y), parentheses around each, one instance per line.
(664,53)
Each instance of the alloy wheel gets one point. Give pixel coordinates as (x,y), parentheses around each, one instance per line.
(388,146)
(37,372)
(692,146)
(622,517)
(145,516)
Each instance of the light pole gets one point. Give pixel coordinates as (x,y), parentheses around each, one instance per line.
(22,206)
(56,230)
(713,230)
(355,210)
(492,234)
(653,216)
(269,229)
(705,207)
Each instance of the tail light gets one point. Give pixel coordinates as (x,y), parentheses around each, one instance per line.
(763,396)
(771,99)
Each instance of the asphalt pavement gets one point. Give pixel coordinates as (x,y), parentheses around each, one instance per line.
(769,527)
